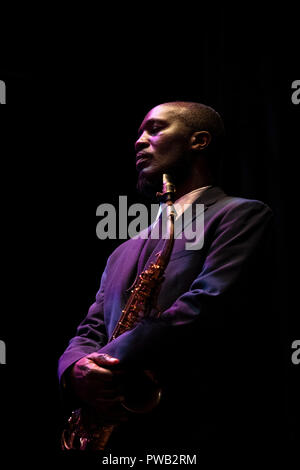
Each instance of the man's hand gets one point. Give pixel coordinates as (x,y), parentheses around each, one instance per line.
(96,383)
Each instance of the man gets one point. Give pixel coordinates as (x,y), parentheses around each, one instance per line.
(210,302)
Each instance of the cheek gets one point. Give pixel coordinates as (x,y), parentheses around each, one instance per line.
(171,143)
(168,147)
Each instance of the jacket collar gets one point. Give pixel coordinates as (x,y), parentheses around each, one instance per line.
(207,198)
(210,196)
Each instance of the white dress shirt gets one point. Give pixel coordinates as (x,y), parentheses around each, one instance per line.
(188,198)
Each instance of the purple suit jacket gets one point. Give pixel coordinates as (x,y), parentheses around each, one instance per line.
(203,289)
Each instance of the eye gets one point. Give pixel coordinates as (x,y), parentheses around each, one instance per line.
(155,129)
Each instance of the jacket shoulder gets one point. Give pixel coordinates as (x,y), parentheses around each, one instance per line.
(229,203)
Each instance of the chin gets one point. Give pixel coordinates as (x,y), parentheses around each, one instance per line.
(149,185)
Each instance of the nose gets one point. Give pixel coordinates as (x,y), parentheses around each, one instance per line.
(141,143)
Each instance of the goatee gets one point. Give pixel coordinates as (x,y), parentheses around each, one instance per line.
(149,187)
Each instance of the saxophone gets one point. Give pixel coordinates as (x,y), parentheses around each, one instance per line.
(83,431)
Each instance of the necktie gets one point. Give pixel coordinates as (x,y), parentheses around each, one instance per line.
(152,246)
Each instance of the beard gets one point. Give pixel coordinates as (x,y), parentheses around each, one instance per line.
(149,185)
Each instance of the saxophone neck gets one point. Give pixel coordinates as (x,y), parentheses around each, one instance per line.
(168,191)
(168,196)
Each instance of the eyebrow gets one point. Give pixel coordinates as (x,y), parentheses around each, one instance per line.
(149,123)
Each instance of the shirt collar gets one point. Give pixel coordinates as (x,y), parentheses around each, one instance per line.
(187,198)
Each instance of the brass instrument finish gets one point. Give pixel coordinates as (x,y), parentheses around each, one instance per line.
(84,430)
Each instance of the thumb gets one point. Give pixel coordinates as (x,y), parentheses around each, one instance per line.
(103,359)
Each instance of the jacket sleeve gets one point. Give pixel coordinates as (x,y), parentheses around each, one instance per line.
(90,334)
(236,240)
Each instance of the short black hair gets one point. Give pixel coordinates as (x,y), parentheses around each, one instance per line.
(200,117)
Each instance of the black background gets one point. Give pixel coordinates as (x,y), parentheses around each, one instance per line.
(74,105)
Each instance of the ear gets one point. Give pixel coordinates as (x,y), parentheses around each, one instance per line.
(200,140)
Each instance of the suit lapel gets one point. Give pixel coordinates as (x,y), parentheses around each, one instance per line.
(206,199)
(130,256)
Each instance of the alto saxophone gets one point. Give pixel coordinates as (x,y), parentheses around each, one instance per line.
(83,431)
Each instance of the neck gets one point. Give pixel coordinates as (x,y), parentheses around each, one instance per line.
(194,181)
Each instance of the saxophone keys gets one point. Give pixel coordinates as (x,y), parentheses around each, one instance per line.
(83,443)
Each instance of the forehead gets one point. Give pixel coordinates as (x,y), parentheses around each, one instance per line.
(160,112)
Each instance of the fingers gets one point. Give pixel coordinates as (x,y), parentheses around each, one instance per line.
(102,363)
(95,372)
(95,383)
(103,381)
(102,359)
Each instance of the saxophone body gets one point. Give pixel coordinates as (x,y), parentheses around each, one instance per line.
(84,431)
